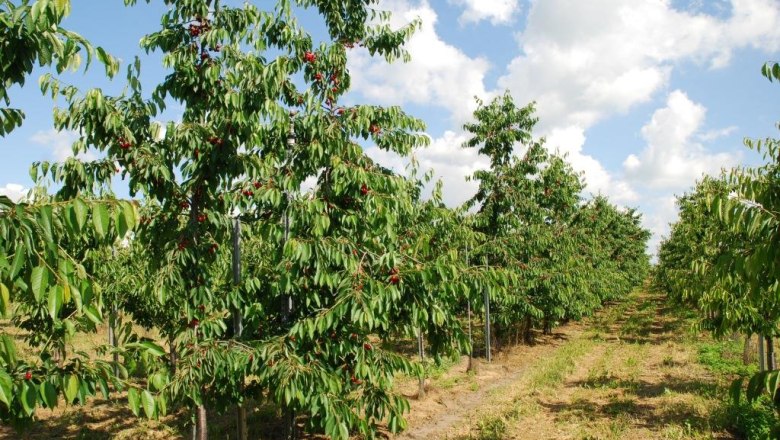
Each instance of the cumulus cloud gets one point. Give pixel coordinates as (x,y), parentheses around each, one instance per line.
(449,162)
(660,211)
(584,61)
(569,141)
(13,191)
(672,159)
(439,74)
(60,143)
(497,11)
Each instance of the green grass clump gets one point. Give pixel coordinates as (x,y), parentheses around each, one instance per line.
(724,358)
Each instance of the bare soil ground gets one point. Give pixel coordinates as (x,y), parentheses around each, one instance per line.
(631,372)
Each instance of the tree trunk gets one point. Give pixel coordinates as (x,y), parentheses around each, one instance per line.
(470,366)
(528,333)
(290,425)
(746,350)
(203,424)
(488,337)
(770,353)
(174,354)
(421,352)
(761,357)
(112,339)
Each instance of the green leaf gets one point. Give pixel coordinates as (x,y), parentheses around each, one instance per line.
(92,313)
(128,209)
(153,348)
(103,387)
(39,281)
(81,210)
(6,388)
(148,403)
(55,301)
(121,223)
(28,397)
(18,263)
(45,221)
(134,401)
(71,388)
(5,300)
(48,394)
(162,405)
(100,219)
(8,350)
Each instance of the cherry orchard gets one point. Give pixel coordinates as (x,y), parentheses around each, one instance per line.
(249,136)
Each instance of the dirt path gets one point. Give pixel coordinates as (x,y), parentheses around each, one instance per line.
(463,394)
(631,372)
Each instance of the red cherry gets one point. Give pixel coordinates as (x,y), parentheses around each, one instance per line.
(355,380)
(184,205)
(335,90)
(395,279)
(204,56)
(217,48)
(257,185)
(27,375)
(194,323)
(194,30)
(309,57)
(251,358)
(317,76)
(248,193)
(213,248)
(201,307)
(363,189)
(202,218)
(374,129)
(367,346)
(340,111)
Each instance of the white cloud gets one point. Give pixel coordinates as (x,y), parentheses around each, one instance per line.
(13,191)
(497,11)
(60,143)
(570,141)
(661,211)
(584,61)
(672,159)
(447,159)
(711,135)
(438,74)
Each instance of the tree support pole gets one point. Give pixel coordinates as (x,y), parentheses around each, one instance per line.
(470,366)
(238,324)
(287,300)
(487,322)
(421,352)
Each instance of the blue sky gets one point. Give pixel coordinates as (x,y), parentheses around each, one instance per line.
(644,95)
